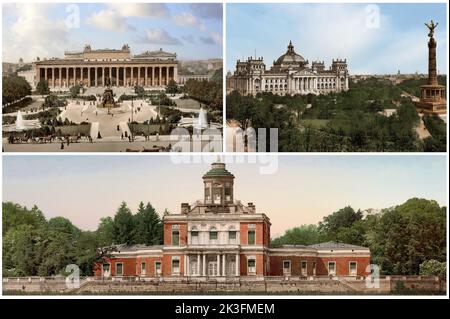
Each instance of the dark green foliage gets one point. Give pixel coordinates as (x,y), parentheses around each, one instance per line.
(172,87)
(437,142)
(350,121)
(403,240)
(42,87)
(34,246)
(14,88)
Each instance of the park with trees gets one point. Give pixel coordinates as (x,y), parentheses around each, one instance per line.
(351,121)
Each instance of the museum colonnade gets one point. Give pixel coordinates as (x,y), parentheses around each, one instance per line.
(66,76)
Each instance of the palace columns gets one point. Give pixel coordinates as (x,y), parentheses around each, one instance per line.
(67,77)
(103,76)
(218,264)
(167,76)
(237,265)
(95,74)
(186,270)
(89,76)
(60,76)
(45,74)
(53,76)
(204,265)
(81,75)
(198,264)
(175,74)
(124,76)
(110,75)
(223,264)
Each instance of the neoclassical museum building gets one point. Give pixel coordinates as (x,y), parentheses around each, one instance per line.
(220,238)
(290,74)
(96,67)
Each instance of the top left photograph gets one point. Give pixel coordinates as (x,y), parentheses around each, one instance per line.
(118,77)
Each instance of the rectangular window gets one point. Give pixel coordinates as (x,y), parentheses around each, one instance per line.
(157,268)
(175,237)
(194,237)
(143,268)
(232,236)
(119,269)
(213,235)
(106,270)
(251,237)
(331,268)
(228,194)
(287,267)
(304,270)
(175,266)
(353,268)
(207,195)
(251,266)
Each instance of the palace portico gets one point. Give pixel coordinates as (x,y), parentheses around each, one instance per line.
(95,67)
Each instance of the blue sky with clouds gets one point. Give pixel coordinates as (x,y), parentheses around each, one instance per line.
(302,190)
(193,31)
(327,31)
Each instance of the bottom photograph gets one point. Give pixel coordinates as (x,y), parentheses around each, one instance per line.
(187,225)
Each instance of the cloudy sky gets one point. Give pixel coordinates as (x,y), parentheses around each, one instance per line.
(193,31)
(379,38)
(301,190)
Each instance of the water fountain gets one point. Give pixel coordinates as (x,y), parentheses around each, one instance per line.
(19,122)
(199,123)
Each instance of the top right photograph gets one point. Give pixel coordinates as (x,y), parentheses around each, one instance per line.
(336,77)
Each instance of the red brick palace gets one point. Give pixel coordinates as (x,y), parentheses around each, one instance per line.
(220,237)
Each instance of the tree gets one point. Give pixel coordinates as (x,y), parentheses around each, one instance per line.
(343,218)
(75,90)
(123,225)
(172,87)
(42,87)
(407,235)
(433,268)
(14,88)
(105,231)
(303,235)
(149,228)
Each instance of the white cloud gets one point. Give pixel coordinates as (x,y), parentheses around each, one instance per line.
(140,9)
(160,36)
(186,19)
(33,33)
(109,20)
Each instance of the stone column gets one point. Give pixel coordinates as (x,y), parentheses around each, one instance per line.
(204,264)
(223,264)
(53,76)
(131,76)
(160,76)
(81,75)
(153,77)
(198,265)
(146,77)
(186,270)
(237,265)
(89,76)
(139,76)
(167,75)
(175,74)
(124,76)
(45,74)
(60,76)
(218,264)
(103,76)
(432,73)
(67,77)
(95,81)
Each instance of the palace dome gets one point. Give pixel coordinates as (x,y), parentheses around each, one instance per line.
(290,57)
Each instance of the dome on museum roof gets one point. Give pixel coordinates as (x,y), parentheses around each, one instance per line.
(290,56)
(217,170)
